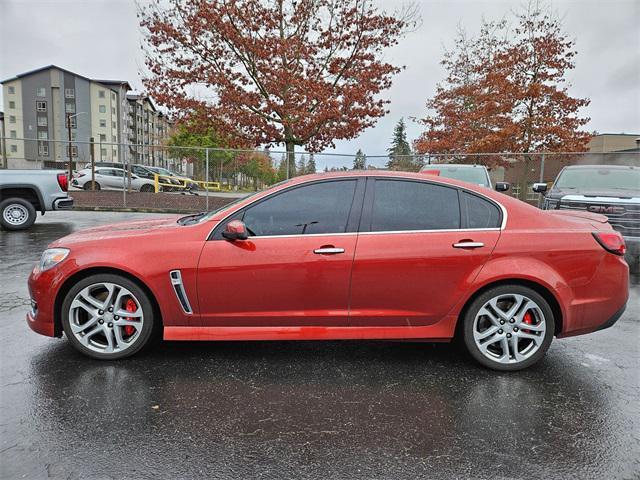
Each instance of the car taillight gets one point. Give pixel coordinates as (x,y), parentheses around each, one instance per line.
(63,181)
(611,242)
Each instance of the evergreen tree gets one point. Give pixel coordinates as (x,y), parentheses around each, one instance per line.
(400,154)
(302,166)
(360,161)
(282,169)
(311,164)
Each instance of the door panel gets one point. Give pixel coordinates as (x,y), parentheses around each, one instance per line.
(414,278)
(276,281)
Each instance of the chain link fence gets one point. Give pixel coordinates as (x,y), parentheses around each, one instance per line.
(186,179)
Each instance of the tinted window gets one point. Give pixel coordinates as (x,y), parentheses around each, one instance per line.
(318,208)
(480,213)
(105,171)
(402,205)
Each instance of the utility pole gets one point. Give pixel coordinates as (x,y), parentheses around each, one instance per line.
(70,149)
(93,163)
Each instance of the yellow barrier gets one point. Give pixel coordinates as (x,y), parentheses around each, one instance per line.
(183,183)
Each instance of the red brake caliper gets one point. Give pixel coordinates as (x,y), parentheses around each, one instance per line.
(528,319)
(131,306)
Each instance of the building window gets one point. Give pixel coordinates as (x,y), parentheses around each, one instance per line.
(41,92)
(69,93)
(12,104)
(103,123)
(43,149)
(13,134)
(73,136)
(43,135)
(115,153)
(41,106)
(113,125)
(70,107)
(12,119)
(11,90)
(42,121)
(103,153)
(102,109)
(113,139)
(113,110)
(103,137)
(14,148)
(100,93)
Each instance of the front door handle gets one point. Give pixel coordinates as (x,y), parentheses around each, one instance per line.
(468,244)
(328,251)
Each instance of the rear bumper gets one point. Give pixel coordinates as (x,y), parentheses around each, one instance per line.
(65,203)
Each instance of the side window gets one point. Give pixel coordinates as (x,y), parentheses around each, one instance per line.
(479,213)
(104,171)
(403,205)
(318,208)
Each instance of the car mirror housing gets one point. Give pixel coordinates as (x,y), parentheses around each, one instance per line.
(502,186)
(539,187)
(235,230)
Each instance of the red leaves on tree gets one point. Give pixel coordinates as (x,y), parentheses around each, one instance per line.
(303,72)
(506,92)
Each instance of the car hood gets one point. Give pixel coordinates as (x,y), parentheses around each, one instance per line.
(123,229)
(593,192)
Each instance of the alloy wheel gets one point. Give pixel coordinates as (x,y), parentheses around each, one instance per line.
(106,317)
(509,328)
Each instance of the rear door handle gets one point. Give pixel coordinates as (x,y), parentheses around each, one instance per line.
(328,251)
(468,244)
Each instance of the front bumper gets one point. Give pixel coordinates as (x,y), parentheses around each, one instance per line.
(43,288)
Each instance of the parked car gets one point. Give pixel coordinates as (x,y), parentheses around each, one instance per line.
(111,178)
(181,182)
(344,255)
(477,174)
(25,192)
(613,191)
(136,169)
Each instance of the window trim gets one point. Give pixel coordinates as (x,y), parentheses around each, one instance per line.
(353,218)
(215,233)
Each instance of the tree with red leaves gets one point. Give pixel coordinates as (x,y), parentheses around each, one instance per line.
(506,92)
(305,72)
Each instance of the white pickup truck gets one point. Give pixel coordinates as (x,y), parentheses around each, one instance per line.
(25,192)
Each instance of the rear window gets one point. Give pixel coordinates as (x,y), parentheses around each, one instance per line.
(404,205)
(466,174)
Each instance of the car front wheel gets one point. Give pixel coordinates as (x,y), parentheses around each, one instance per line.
(107,317)
(508,328)
(17,214)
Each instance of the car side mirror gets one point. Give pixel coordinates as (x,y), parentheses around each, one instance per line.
(539,187)
(502,186)
(134,177)
(235,230)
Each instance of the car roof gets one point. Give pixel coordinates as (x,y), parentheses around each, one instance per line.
(614,167)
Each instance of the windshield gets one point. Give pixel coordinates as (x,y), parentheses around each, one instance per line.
(475,175)
(599,178)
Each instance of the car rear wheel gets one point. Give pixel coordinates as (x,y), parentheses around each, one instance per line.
(107,317)
(17,214)
(147,188)
(87,186)
(508,328)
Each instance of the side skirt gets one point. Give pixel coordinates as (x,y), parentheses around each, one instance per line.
(442,331)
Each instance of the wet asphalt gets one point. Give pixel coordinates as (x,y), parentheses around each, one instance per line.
(306,409)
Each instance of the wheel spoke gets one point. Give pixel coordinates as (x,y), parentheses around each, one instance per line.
(529,336)
(490,315)
(504,344)
(486,333)
(82,328)
(85,296)
(517,303)
(108,333)
(84,339)
(126,314)
(120,342)
(534,328)
(514,348)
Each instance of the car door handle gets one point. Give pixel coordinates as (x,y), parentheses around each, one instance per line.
(468,244)
(328,251)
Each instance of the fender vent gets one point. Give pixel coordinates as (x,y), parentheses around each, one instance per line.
(178,287)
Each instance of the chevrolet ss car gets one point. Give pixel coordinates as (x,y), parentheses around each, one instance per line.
(613,191)
(349,255)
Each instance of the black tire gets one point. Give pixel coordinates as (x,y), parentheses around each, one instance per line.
(20,205)
(149,326)
(480,301)
(147,188)
(87,186)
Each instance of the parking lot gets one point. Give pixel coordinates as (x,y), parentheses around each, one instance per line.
(303,409)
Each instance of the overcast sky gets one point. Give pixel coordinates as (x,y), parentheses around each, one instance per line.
(101,39)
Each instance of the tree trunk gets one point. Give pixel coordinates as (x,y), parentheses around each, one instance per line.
(291,158)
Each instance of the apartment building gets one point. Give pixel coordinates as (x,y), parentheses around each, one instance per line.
(148,129)
(40,103)
(3,151)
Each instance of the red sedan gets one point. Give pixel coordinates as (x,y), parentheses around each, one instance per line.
(367,255)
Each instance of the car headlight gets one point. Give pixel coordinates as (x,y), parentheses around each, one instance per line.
(51,257)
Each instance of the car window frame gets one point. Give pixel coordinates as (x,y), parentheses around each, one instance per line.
(353,218)
(367,210)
